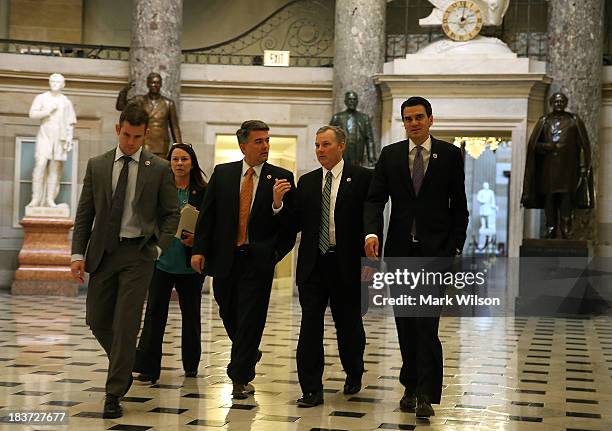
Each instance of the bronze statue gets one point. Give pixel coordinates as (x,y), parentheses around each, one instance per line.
(162,115)
(558,156)
(359,135)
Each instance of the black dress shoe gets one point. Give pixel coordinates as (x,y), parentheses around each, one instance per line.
(352,385)
(408,402)
(191,373)
(424,409)
(311,399)
(143,377)
(239,391)
(112,408)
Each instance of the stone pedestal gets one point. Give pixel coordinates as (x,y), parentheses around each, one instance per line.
(44,259)
(556,279)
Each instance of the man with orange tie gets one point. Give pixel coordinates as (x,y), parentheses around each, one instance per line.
(243,230)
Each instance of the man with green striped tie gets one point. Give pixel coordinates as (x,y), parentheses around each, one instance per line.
(329,204)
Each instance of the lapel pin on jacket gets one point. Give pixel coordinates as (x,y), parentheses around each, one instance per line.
(269,176)
(348,180)
(147,162)
(434,155)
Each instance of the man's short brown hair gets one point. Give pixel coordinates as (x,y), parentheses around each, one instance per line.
(338,132)
(248,126)
(134,114)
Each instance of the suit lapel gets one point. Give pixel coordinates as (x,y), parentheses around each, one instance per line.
(344,186)
(144,170)
(263,187)
(404,158)
(235,173)
(107,172)
(432,164)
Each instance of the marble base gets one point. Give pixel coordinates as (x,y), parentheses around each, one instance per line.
(59,211)
(44,259)
(556,279)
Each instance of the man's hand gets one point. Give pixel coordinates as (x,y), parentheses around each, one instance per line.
(187,238)
(367,274)
(278,191)
(197,263)
(371,247)
(77,268)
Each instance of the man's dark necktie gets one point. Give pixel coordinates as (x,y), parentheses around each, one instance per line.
(418,170)
(325,206)
(116,211)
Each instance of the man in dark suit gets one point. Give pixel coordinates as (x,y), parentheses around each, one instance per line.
(424,178)
(130,229)
(243,230)
(329,202)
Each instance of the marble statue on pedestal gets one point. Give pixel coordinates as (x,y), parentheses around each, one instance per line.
(53,142)
(487,210)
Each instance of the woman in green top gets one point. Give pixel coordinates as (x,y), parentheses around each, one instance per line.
(173,269)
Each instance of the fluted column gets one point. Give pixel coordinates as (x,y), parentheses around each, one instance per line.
(156,44)
(575,56)
(359,45)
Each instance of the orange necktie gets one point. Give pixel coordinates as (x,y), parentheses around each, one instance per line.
(246,196)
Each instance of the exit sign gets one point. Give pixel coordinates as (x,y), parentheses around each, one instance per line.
(276,58)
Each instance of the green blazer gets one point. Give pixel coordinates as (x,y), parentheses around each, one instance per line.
(156,208)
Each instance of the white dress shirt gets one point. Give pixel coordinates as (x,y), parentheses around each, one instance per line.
(425,153)
(256,175)
(336,178)
(130,227)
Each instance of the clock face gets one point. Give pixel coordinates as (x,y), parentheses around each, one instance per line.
(462,20)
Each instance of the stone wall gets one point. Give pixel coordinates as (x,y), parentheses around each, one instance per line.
(215,100)
(54,20)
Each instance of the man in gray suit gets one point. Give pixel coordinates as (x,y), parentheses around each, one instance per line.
(131,227)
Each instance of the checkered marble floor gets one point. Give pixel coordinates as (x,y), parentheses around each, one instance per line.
(500,374)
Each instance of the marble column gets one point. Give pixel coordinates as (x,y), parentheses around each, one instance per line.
(156,45)
(575,56)
(359,53)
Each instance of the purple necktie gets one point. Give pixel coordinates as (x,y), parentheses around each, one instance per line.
(418,170)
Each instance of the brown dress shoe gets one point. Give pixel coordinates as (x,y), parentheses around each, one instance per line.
(424,409)
(408,402)
(239,392)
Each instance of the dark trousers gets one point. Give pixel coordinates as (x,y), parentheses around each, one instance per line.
(189,289)
(243,300)
(326,286)
(422,357)
(115,298)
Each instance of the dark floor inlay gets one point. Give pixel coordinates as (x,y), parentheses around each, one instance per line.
(525,419)
(96,415)
(167,410)
(136,399)
(347,414)
(386,426)
(130,427)
(207,423)
(365,400)
(242,406)
(581,401)
(527,404)
(583,415)
(61,403)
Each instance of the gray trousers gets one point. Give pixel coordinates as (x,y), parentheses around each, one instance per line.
(115,299)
